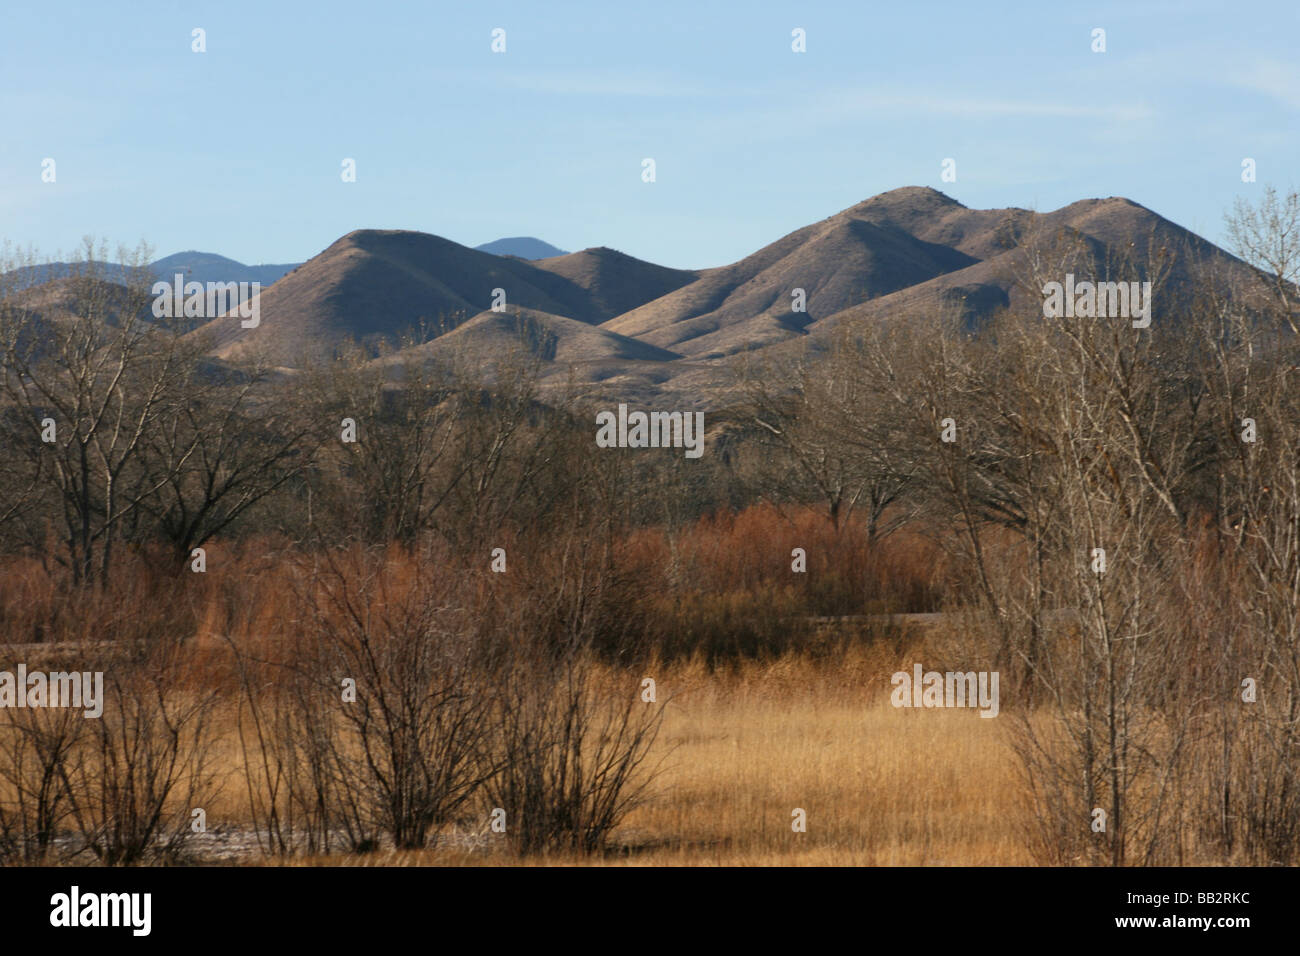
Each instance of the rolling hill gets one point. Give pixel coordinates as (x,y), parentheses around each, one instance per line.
(374,286)
(604,316)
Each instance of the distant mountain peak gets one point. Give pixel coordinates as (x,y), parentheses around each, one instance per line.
(367,236)
(200,266)
(521,247)
(929,192)
(911,198)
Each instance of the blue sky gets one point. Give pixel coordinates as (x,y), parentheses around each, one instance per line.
(238,150)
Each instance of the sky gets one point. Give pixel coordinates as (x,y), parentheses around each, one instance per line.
(239,150)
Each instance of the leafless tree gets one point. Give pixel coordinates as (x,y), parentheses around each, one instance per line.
(90,378)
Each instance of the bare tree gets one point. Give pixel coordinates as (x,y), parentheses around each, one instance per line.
(90,377)
(1267,235)
(414,718)
(227,441)
(827,418)
(143,766)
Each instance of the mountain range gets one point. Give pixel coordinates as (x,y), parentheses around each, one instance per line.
(209,267)
(601,316)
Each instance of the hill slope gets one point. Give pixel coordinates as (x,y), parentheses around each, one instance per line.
(375,285)
(869,250)
(616,282)
(905,249)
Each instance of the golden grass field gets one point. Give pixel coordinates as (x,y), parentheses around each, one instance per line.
(881,786)
(740,749)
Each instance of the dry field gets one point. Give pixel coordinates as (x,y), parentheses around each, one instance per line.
(880,786)
(741,749)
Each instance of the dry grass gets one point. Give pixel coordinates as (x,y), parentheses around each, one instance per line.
(879,785)
(745,739)
(741,749)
